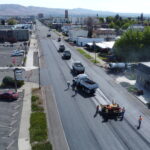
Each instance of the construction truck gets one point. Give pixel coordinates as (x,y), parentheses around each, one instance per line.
(82,82)
(111,111)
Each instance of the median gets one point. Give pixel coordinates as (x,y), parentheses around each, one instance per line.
(38,123)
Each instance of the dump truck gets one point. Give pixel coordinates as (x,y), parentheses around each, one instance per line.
(82,82)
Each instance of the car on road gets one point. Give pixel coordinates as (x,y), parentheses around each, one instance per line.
(10,95)
(61,48)
(59,39)
(66,55)
(48,35)
(77,67)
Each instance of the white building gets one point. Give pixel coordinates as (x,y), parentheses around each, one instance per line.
(136,27)
(75,33)
(82,41)
(105,33)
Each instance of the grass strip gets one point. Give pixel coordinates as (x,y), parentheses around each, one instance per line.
(36,104)
(38,127)
(81,51)
(42,146)
(132,88)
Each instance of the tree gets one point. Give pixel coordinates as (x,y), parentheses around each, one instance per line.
(12,22)
(109,19)
(10,82)
(101,19)
(90,24)
(134,45)
(3,22)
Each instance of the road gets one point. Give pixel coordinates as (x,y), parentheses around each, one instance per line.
(82,130)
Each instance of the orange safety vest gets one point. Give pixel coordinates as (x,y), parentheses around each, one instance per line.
(140,119)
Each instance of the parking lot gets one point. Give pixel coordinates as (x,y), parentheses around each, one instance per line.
(10,113)
(5,55)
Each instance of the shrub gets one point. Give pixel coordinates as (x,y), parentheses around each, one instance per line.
(34,98)
(10,82)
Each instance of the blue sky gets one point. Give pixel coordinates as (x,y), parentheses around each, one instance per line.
(134,6)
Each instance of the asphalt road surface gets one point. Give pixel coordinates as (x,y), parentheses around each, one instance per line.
(82,130)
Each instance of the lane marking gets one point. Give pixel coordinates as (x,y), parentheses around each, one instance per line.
(13,115)
(11,133)
(13,141)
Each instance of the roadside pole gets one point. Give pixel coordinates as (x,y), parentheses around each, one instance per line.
(39,74)
(94,50)
(15,79)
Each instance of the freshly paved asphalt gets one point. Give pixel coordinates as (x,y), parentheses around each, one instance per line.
(82,130)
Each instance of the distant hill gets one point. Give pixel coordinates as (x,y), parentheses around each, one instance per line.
(14,9)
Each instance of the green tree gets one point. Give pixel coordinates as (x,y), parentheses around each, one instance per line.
(12,22)
(3,22)
(126,25)
(133,46)
(101,19)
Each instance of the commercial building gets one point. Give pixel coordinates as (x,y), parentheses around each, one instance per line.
(105,33)
(75,33)
(143,75)
(9,35)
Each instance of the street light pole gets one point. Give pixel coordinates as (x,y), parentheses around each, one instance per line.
(94,50)
(39,74)
(15,79)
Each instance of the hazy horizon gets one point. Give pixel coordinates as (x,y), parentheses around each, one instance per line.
(128,6)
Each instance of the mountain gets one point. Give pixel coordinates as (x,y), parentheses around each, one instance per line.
(14,9)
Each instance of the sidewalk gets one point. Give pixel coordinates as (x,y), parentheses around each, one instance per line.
(24,138)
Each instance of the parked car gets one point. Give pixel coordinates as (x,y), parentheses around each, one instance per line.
(61,48)
(16,54)
(10,95)
(77,67)
(66,55)
(18,51)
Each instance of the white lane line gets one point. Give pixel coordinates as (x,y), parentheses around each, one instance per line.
(16,106)
(13,122)
(100,93)
(13,115)
(13,141)
(2,126)
(11,133)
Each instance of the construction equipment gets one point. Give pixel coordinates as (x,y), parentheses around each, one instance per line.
(83,83)
(111,111)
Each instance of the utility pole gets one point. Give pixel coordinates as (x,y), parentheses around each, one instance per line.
(39,74)
(94,50)
(15,79)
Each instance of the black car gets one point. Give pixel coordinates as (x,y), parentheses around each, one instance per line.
(59,39)
(66,55)
(48,35)
(61,48)
(77,67)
